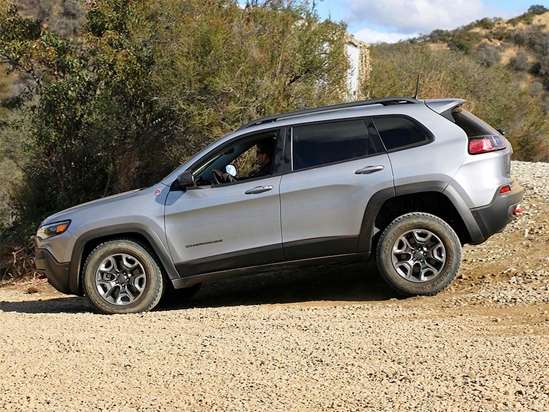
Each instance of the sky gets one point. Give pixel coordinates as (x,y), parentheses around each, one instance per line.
(375,21)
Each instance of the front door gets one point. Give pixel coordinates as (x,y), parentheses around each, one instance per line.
(211,229)
(228,222)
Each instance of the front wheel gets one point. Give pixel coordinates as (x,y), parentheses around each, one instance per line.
(121,276)
(419,254)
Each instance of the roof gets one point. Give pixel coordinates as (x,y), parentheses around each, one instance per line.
(337,107)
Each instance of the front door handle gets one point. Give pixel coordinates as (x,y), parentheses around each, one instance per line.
(258,189)
(369,169)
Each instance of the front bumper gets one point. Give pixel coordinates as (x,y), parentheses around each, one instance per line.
(57,273)
(494,217)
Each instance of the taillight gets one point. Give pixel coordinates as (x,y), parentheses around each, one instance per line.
(486,144)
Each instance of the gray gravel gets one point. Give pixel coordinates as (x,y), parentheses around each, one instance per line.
(350,345)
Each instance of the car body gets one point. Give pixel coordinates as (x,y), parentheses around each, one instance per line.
(403,180)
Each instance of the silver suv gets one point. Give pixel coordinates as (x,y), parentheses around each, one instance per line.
(402,180)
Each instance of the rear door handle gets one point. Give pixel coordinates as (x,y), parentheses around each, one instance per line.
(258,189)
(369,169)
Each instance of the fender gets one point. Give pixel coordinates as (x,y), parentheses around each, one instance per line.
(120,230)
(368,229)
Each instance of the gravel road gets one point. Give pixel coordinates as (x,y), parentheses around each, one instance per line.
(331,339)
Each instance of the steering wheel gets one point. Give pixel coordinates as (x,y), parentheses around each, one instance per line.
(217,177)
(220,177)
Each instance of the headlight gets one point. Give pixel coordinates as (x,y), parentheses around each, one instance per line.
(53,229)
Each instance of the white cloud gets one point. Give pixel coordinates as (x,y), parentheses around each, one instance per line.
(410,17)
(372,36)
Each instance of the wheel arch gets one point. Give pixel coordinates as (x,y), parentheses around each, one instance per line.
(387,205)
(89,241)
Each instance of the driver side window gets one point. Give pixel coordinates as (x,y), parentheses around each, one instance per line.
(251,157)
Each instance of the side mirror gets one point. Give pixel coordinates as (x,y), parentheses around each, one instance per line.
(230,169)
(184,180)
(502,132)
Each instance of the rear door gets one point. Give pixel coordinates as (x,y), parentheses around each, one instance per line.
(336,168)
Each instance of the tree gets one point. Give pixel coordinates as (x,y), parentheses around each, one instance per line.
(221,66)
(93,123)
(537,9)
(145,84)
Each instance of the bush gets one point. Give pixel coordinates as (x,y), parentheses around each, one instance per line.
(462,45)
(520,63)
(486,23)
(535,88)
(488,55)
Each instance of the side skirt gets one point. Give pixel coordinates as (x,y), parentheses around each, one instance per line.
(190,280)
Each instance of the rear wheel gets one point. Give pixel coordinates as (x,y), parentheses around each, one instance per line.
(419,254)
(121,276)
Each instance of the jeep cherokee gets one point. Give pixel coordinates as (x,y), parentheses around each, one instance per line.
(401,180)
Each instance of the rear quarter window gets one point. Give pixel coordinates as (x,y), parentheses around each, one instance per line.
(398,132)
(472,125)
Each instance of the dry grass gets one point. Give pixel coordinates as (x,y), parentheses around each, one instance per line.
(17,263)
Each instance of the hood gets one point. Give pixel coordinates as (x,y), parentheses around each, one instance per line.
(112,205)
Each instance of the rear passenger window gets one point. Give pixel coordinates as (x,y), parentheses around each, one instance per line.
(397,132)
(324,143)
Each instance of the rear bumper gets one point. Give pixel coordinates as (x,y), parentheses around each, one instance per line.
(493,218)
(57,273)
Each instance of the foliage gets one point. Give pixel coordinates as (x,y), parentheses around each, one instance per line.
(486,23)
(537,9)
(488,55)
(145,84)
(63,17)
(493,94)
(221,66)
(520,62)
(94,125)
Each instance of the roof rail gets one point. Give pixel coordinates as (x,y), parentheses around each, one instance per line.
(342,106)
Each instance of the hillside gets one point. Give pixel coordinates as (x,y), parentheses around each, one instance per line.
(512,36)
(519,44)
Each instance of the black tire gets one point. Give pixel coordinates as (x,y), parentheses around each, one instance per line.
(419,254)
(121,276)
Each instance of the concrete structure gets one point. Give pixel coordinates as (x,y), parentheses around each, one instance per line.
(358,73)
